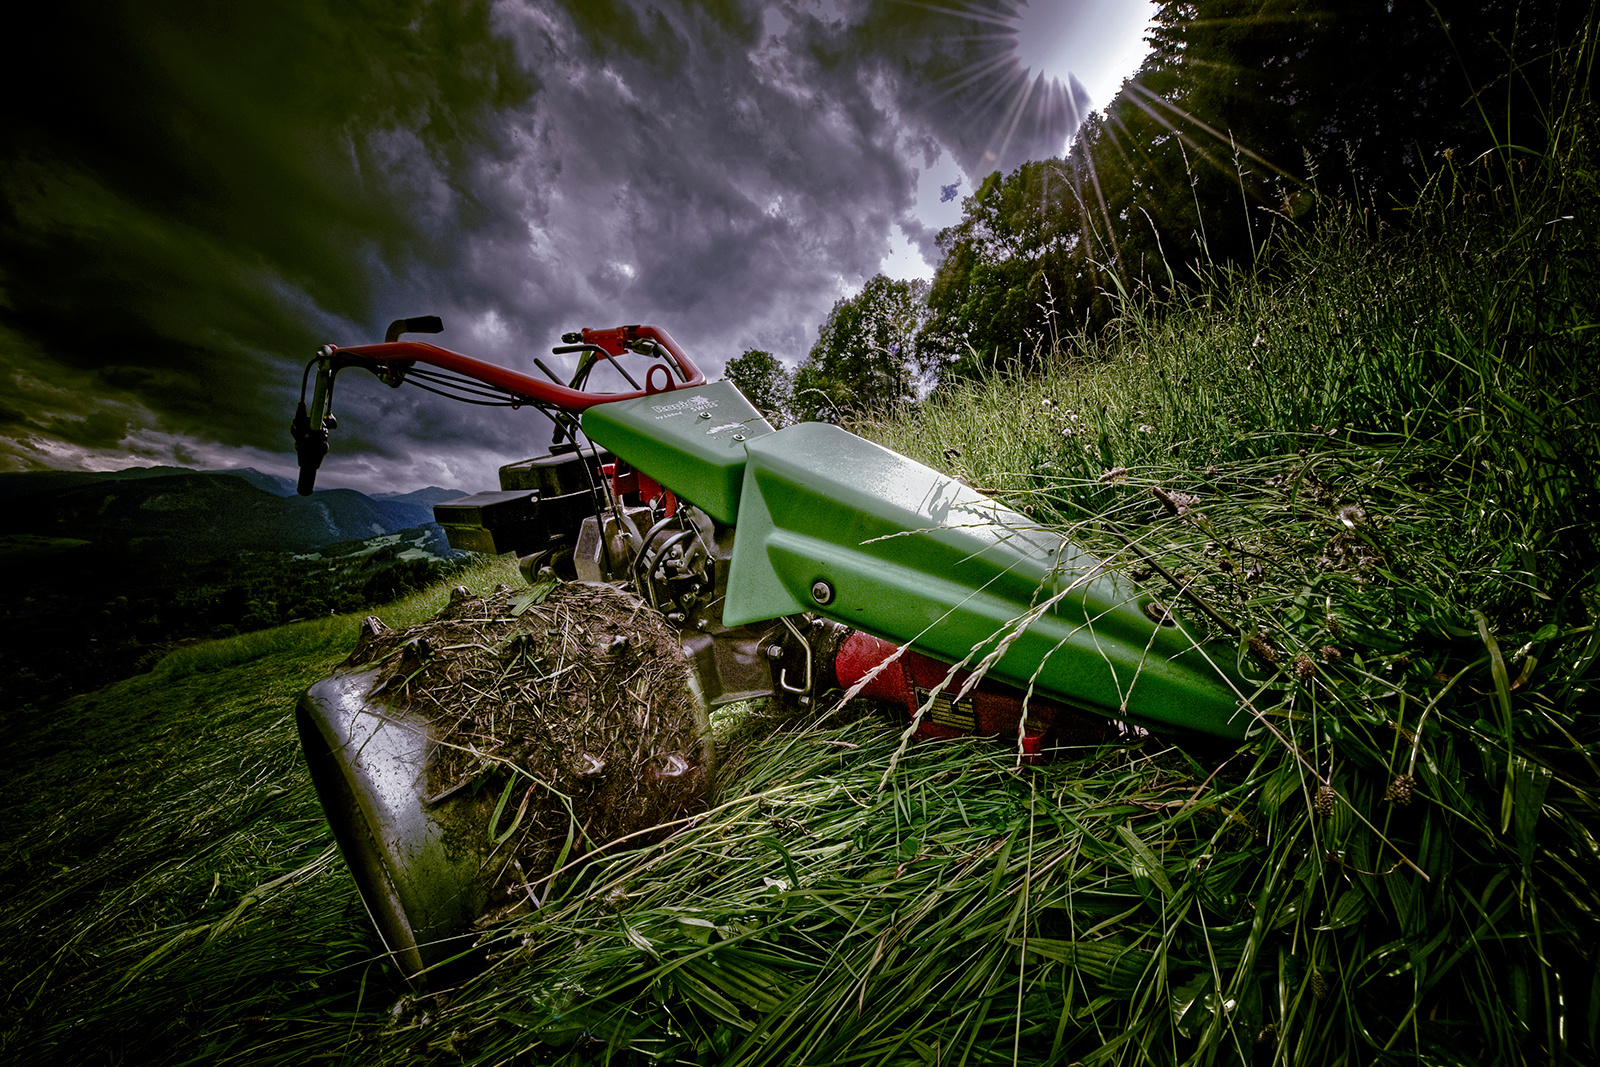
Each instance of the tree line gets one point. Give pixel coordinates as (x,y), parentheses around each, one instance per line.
(92,614)
(1246,119)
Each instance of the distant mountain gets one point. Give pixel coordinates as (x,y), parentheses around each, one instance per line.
(25,483)
(205,515)
(422,497)
(275,484)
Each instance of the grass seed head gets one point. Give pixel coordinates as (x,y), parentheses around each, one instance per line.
(1322,803)
(1400,790)
(1264,649)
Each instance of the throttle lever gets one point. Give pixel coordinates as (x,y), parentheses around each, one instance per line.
(415,324)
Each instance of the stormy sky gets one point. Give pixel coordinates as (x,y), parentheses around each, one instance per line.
(195,195)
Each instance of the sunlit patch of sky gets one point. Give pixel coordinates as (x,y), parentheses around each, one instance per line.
(940,189)
(1100,43)
(904,260)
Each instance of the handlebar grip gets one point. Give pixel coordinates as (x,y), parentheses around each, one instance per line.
(308,479)
(310,446)
(415,324)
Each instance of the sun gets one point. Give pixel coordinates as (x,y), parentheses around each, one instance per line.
(1098,42)
(1035,69)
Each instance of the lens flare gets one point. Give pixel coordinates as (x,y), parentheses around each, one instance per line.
(1031,72)
(1097,42)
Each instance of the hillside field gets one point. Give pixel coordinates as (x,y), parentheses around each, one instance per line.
(1375,456)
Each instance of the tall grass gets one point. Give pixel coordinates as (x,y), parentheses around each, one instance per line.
(1385,449)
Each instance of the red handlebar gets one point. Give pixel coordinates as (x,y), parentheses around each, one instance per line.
(613,341)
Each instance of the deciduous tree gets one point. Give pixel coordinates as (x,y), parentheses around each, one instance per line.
(865,356)
(764,382)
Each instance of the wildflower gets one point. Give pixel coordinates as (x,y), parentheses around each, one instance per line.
(1352,515)
(1304,669)
(1115,475)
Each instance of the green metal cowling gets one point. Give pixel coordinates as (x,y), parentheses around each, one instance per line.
(690,440)
(912,555)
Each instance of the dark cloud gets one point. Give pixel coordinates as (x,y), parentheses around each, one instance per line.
(202,193)
(100,429)
(202,189)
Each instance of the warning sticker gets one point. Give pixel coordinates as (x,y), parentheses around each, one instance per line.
(956,714)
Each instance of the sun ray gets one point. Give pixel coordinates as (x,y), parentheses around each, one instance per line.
(1183,137)
(1105,212)
(1014,117)
(977,73)
(971,13)
(1222,138)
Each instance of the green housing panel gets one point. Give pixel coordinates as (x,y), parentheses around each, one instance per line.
(914,555)
(690,440)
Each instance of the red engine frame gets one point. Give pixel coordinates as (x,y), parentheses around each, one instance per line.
(614,342)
